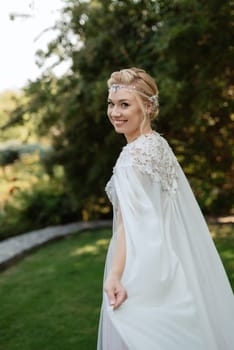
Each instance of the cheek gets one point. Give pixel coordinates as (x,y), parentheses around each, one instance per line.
(108,114)
(139,116)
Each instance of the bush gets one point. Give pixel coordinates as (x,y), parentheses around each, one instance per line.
(37,208)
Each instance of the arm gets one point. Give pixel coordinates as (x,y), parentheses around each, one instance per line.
(115,291)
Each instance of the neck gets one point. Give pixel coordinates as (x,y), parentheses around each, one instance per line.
(134,136)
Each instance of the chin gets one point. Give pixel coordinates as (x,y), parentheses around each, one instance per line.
(119,131)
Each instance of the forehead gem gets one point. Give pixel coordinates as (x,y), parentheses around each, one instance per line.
(115,87)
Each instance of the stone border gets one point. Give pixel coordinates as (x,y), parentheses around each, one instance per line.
(12,249)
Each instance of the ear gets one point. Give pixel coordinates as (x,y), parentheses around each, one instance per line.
(149,107)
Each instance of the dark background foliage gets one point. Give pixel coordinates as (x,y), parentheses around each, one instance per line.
(186,46)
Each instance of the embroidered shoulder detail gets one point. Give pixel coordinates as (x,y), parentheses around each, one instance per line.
(152,155)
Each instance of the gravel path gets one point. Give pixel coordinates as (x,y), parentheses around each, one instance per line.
(13,248)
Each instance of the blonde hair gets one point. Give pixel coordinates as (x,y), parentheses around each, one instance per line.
(144,87)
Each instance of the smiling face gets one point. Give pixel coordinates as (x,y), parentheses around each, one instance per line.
(126,115)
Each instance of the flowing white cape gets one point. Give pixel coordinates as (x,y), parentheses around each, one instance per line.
(179,297)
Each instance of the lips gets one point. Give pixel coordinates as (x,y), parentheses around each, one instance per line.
(119,122)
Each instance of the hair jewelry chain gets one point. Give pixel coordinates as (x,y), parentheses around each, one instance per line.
(155,102)
(153,98)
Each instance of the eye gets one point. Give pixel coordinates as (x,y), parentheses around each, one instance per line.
(124,105)
(110,104)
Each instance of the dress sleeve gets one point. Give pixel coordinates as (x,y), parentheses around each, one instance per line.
(141,176)
(178,291)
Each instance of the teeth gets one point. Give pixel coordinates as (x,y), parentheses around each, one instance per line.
(119,122)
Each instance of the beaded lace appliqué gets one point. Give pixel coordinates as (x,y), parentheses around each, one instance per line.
(155,158)
(152,155)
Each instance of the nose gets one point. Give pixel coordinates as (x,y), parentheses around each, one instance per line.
(115,111)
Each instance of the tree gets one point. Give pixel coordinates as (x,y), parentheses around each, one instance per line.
(185,45)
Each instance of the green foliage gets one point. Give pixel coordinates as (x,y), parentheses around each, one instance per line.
(8,156)
(186,45)
(9,153)
(14,123)
(202,48)
(42,205)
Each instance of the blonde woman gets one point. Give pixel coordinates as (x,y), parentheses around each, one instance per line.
(165,287)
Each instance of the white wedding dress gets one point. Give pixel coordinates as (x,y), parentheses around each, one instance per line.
(179,297)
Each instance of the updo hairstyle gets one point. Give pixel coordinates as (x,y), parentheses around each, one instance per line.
(143,85)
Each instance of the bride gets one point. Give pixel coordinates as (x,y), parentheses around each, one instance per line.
(165,287)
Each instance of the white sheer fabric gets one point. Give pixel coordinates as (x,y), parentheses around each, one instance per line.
(179,297)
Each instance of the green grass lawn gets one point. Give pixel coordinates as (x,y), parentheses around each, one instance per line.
(224,241)
(51,299)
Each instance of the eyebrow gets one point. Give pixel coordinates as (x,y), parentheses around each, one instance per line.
(121,100)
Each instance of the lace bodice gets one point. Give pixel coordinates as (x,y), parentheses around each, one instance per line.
(152,156)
